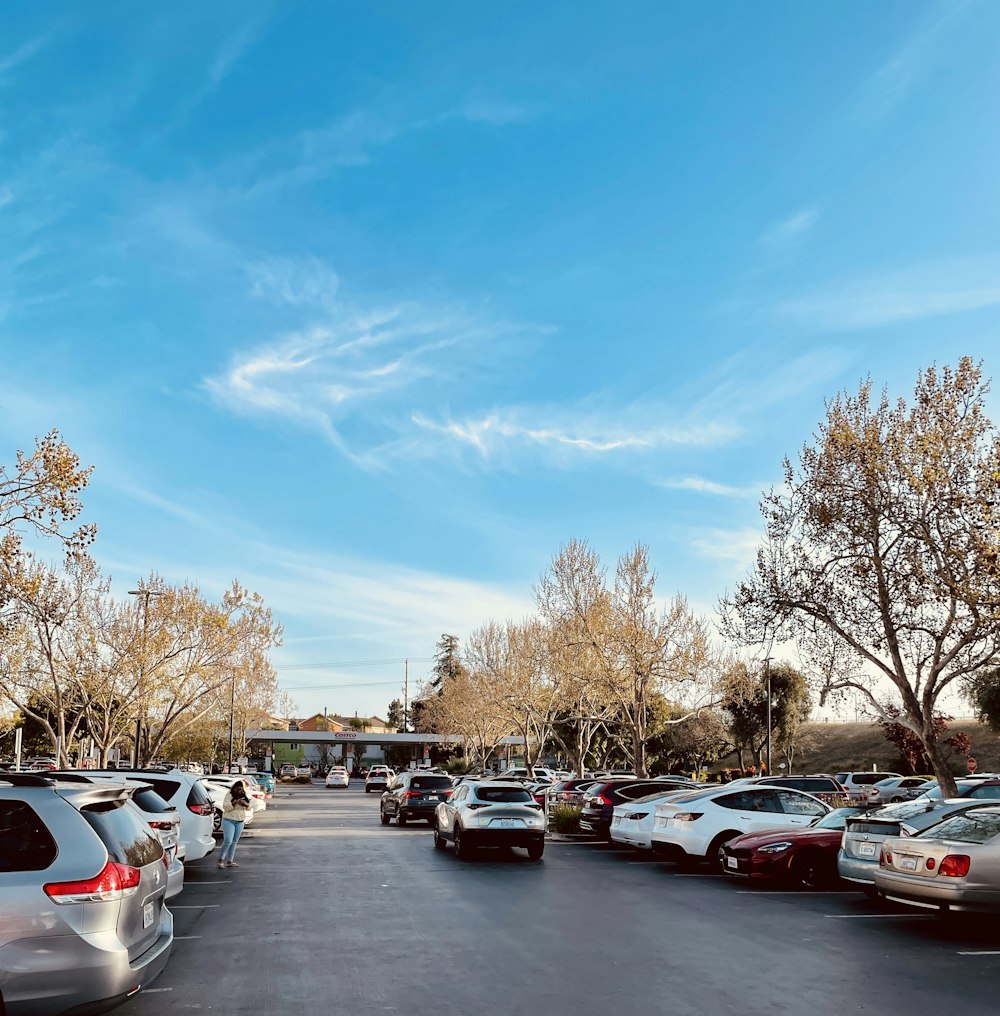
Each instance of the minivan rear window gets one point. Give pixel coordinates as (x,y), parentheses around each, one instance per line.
(123,832)
(150,801)
(25,842)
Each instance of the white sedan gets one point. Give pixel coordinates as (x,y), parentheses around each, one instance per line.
(632,822)
(694,827)
(338,776)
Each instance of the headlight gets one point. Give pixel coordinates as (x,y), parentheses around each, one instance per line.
(774,848)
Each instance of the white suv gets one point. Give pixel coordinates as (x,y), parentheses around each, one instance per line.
(378,778)
(694,827)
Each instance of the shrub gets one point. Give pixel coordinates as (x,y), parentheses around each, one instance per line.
(565,818)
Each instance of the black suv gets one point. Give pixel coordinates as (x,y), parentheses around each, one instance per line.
(600,799)
(413,795)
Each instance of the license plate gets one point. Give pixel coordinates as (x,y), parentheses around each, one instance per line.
(433,797)
(506,823)
(866,850)
(907,863)
(731,862)
(148,915)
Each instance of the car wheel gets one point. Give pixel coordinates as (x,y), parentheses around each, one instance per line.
(463,850)
(217,822)
(896,800)
(535,851)
(366,789)
(439,842)
(814,870)
(714,855)
(400,819)
(382,815)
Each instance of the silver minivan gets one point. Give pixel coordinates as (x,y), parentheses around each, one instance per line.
(82,881)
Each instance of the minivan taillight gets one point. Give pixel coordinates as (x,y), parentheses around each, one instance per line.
(115,882)
(162,826)
(200,809)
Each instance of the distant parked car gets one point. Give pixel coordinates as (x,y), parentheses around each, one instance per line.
(797,856)
(826,788)
(287,769)
(413,795)
(953,866)
(303,770)
(695,827)
(490,814)
(338,776)
(83,884)
(570,791)
(981,789)
(378,778)
(899,788)
(858,783)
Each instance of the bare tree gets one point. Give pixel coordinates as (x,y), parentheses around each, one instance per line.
(883,541)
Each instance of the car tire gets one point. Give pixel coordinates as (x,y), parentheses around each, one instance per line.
(714,855)
(383,817)
(400,819)
(897,800)
(814,870)
(217,822)
(463,850)
(439,842)
(366,789)
(535,851)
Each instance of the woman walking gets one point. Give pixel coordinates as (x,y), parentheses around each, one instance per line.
(235,811)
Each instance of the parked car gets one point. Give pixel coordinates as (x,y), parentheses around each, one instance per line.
(798,856)
(490,813)
(413,796)
(161,817)
(826,788)
(258,800)
(981,789)
(521,773)
(570,791)
(378,778)
(864,833)
(216,793)
(899,788)
(266,781)
(953,866)
(83,882)
(632,822)
(185,792)
(287,769)
(858,783)
(303,770)
(695,827)
(338,776)
(599,801)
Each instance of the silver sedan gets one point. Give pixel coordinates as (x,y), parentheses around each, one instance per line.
(490,814)
(898,788)
(955,865)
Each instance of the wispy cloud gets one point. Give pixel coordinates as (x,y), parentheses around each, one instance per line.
(700,485)
(233,48)
(22,54)
(891,84)
(502,430)
(921,291)
(304,282)
(735,545)
(790,232)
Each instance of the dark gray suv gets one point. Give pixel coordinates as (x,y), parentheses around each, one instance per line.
(82,879)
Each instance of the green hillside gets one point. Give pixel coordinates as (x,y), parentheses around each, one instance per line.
(833,747)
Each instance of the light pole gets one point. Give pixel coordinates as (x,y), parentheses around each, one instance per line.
(145,594)
(232,719)
(767,676)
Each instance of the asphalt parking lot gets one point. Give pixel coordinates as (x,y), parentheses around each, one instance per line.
(330,912)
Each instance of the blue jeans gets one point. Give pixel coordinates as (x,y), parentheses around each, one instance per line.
(231,832)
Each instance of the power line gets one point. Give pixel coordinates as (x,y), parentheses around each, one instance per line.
(329,687)
(355,663)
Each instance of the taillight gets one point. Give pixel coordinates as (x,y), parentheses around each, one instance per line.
(115,882)
(162,826)
(604,799)
(200,809)
(476,805)
(884,858)
(410,794)
(688,816)
(955,865)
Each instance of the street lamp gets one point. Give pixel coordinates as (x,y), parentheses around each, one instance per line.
(145,594)
(767,676)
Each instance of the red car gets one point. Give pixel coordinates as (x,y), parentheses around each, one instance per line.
(806,857)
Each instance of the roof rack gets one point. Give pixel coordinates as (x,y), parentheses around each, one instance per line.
(25,780)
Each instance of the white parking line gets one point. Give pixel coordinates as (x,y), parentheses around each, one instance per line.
(790,892)
(185,938)
(154,991)
(905,917)
(195,906)
(980,952)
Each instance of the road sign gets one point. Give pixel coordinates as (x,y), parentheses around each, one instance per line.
(971,765)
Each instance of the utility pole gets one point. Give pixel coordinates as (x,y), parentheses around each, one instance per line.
(406,694)
(767,675)
(232,720)
(145,594)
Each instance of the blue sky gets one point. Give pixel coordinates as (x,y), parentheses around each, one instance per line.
(374,306)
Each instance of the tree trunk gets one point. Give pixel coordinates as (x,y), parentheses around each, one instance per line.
(639,753)
(946,781)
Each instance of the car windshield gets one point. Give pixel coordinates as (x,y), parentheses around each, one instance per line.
(504,795)
(905,809)
(976,826)
(836,819)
